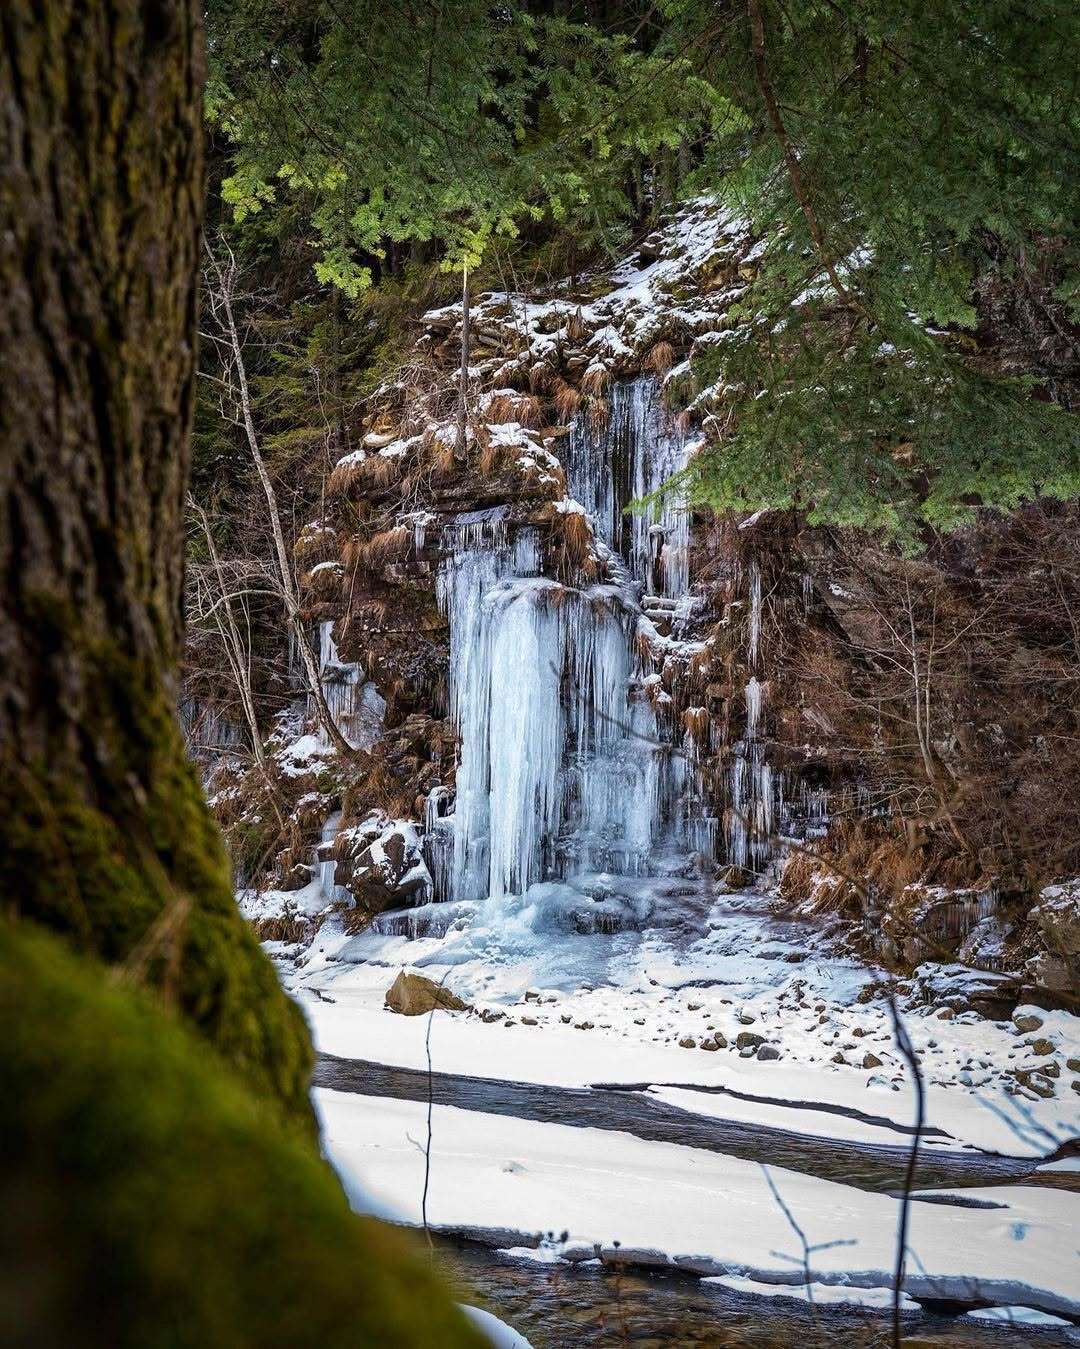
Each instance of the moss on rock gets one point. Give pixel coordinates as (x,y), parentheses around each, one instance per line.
(150,1201)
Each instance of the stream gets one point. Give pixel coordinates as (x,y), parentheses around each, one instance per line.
(867,1166)
(588,1307)
(556,1304)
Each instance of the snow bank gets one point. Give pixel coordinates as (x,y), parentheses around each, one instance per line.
(708,1214)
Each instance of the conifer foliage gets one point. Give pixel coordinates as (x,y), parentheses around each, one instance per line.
(908,346)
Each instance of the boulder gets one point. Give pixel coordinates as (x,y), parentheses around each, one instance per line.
(932,922)
(380,862)
(964,989)
(748,1039)
(414,994)
(1056,921)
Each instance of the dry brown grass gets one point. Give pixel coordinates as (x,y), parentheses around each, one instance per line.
(567,400)
(524,408)
(697,722)
(661,358)
(860,855)
(286,928)
(529,410)
(370,554)
(501,408)
(541,377)
(315,545)
(443,461)
(572,548)
(361,475)
(356,920)
(323,583)
(493,457)
(599,412)
(575,327)
(596,380)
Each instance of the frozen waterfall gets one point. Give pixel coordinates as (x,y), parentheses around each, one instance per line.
(630,457)
(564,767)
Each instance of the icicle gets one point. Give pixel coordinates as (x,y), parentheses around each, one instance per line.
(332,892)
(356,706)
(754,643)
(564,768)
(632,456)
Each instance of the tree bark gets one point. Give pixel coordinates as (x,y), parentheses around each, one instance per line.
(104,834)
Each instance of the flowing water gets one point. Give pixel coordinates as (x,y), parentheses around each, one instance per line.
(588,1307)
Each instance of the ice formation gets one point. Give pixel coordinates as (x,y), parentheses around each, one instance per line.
(565,768)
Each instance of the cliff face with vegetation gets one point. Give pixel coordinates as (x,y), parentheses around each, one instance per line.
(884,729)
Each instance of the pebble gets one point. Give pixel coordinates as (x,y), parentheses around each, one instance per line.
(748,1039)
(871,1061)
(1026,1022)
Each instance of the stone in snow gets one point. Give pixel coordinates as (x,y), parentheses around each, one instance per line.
(414,994)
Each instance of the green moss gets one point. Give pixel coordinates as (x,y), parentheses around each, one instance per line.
(150,1201)
(108,840)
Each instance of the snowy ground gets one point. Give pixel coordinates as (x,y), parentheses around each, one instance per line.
(711,1215)
(665,1007)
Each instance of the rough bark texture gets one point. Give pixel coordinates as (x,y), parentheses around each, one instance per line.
(103,831)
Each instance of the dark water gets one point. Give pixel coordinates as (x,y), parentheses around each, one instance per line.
(867,1166)
(585,1307)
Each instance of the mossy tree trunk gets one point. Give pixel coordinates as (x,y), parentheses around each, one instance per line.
(103,831)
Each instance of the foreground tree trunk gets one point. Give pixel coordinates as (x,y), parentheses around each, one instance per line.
(103,831)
